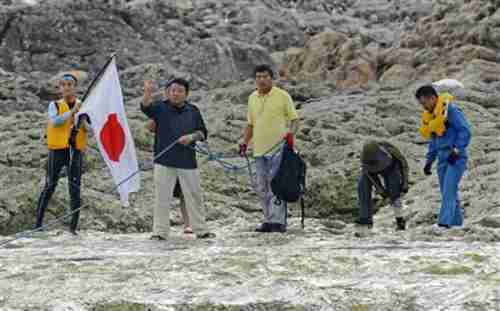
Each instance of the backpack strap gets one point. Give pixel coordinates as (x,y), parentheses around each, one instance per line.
(303,192)
(302,208)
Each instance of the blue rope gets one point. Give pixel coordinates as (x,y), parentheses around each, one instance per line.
(212,156)
(220,157)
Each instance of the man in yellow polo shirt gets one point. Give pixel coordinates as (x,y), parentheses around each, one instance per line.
(271,118)
(62,153)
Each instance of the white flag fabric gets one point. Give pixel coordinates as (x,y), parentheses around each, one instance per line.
(104,106)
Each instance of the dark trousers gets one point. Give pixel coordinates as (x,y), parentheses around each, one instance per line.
(392,177)
(72,160)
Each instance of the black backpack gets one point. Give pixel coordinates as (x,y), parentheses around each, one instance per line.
(289,182)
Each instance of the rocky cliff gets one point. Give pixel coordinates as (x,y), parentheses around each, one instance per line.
(352,68)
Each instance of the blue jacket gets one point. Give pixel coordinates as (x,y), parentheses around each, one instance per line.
(457,135)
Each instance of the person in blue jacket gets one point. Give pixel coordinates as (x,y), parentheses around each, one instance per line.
(449,133)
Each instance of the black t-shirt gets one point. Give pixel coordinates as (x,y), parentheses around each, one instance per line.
(172,123)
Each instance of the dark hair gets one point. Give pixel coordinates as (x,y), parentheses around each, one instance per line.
(179,81)
(264,68)
(426,91)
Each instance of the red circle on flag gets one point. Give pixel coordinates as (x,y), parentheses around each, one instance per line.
(112,137)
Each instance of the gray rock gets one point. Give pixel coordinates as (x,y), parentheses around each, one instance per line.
(492,221)
(350,81)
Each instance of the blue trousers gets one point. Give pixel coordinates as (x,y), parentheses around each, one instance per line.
(451,213)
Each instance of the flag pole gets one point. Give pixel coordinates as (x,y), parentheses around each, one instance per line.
(98,77)
(76,127)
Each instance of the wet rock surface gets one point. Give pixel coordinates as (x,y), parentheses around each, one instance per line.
(242,270)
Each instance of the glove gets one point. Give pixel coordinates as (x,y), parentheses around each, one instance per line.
(289,140)
(428,169)
(243,150)
(453,157)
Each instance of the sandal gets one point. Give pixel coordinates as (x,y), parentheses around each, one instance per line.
(188,230)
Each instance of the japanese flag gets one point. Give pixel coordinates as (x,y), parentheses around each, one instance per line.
(104,106)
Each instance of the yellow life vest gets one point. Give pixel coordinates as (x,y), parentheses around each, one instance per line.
(434,123)
(58,137)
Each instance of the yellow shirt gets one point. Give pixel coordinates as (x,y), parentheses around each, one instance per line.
(269,115)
